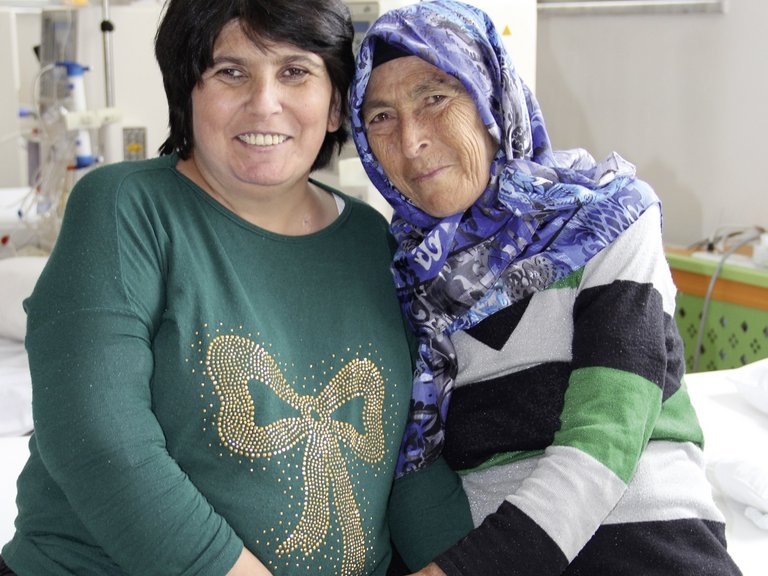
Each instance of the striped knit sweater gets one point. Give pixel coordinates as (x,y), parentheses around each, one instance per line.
(571,424)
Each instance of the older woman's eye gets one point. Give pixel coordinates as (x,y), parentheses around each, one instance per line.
(377,118)
(436,99)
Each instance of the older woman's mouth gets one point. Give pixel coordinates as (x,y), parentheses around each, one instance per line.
(263,139)
(427,174)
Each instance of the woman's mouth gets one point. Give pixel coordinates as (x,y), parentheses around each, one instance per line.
(427,174)
(262,139)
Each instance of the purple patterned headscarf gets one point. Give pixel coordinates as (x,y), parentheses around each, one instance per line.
(544,214)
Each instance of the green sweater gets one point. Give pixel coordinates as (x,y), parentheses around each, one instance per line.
(200,384)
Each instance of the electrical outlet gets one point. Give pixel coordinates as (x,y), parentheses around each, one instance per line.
(134,143)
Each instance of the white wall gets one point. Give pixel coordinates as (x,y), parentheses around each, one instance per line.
(13,26)
(683,96)
(516,22)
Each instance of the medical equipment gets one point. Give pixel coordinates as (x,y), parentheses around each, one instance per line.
(76,112)
(83,150)
(64,146)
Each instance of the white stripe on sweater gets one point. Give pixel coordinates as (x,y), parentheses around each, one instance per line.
(669,484)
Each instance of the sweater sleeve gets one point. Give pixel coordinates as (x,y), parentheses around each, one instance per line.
(91,320)
(428,513)
(623,327)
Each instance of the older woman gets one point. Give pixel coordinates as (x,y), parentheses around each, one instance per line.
(550,368)
(220,371)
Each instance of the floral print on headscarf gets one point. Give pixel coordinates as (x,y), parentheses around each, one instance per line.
(544,214)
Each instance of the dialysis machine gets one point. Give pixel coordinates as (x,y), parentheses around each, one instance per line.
(85,89)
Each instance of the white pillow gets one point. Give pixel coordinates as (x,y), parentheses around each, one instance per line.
(15,390)
(743,480)
(747,483)
(751,380)
(18,276)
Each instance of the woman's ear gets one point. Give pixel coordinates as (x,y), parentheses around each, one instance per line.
(334,114)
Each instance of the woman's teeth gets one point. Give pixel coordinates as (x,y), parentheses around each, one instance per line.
(263,139)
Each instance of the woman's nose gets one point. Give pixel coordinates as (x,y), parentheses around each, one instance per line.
(263,97)
(414,137)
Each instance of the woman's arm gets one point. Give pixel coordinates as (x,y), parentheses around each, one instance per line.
(248,565)
(428,513)
(431,569)
(91,323)
(619,372)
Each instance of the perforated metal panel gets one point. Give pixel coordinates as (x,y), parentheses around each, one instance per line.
(733,335)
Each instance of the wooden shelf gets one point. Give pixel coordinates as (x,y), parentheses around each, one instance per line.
(740,285)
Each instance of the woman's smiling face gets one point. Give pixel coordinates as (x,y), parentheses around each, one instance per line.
(426,133)
(260,116)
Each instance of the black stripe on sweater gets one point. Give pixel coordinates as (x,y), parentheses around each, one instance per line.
(621,325)
(685,547)
(675,357)
(519,411)
(507,542)
(495,330)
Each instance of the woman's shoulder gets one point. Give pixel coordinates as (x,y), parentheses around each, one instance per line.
(115,174)
(358,208)
(109,196)
(125,184)
(366,209)
(636,254)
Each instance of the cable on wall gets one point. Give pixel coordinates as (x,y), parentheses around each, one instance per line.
(752,234)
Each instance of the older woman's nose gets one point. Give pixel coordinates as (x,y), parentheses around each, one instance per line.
(414,137)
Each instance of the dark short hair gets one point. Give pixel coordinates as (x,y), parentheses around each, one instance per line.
(189,28)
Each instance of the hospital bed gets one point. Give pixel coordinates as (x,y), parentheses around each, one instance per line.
(17,278)
(20,265)
(732,406)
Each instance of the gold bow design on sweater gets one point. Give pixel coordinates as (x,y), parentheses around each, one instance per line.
(234,361)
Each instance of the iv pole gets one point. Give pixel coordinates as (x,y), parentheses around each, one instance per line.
(106,30)
(111,133)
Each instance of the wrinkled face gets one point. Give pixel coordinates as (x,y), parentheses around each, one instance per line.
(426,133)
(260,117)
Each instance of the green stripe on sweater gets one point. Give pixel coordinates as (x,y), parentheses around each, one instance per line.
(573,280)
(502,459)
(678,419)
(609,414)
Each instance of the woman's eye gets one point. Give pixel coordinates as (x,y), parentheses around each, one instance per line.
(380,117)
(295,72)
(436,99)
(229,73)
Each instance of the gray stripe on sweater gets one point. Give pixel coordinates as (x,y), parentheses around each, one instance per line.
(668,485)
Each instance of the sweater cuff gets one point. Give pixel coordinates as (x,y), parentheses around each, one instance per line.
(428,513)
(507,542)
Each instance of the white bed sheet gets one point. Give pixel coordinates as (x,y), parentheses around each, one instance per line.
(13,455)
(732,427)
(15,389)
(15,421)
